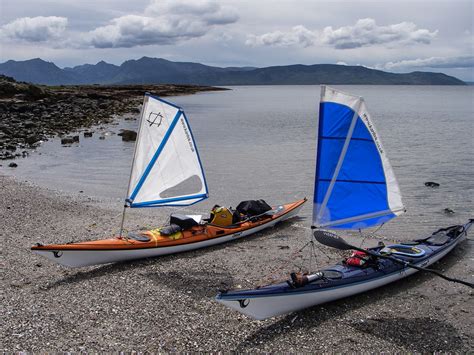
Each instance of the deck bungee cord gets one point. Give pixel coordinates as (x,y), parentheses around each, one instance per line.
(332,240)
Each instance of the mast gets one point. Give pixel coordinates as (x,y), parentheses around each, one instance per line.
(145,99)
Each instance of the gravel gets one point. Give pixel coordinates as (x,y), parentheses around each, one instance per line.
(166,304)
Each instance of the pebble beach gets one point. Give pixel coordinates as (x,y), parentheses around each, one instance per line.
(167,304)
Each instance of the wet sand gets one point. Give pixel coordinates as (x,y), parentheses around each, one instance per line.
(166,304)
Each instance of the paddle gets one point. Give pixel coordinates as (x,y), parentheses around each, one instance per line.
(331,240)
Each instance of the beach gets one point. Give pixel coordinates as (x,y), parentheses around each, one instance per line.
(167,303)
(138,128)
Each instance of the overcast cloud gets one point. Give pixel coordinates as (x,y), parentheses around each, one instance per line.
(162,23)
(364,33)
(34,29)
(433,62)
(398,36)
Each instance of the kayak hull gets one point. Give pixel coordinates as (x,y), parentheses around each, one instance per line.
(122,249)
(271,301)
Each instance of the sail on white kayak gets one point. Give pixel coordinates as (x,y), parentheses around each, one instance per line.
(355,186)
(166,169)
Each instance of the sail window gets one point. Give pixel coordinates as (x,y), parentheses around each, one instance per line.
(191,185)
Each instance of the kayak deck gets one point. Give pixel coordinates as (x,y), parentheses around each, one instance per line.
(335,282)
(152,243)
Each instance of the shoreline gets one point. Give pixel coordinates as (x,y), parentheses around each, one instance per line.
(166,303)
(30,114)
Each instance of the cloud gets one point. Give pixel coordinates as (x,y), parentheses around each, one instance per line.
(367,33)
(208,11)
(299,35)
(35,29)
(432,62)
(163,22)
(364,33)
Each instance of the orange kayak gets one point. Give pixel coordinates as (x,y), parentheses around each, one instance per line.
(152,243)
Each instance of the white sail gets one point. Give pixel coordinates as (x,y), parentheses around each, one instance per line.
(166,169)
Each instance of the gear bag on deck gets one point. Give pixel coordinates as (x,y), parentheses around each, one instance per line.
(221,216)
(253,207)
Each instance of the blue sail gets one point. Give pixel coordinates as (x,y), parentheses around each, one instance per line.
(355,186)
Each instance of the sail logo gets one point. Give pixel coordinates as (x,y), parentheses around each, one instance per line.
(372,132)
(188,136)
(154,117)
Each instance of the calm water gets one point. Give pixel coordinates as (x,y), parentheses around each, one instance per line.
(259,142)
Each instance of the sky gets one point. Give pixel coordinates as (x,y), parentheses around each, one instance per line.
(396,36)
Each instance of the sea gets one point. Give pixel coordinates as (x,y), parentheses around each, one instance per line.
(259,142)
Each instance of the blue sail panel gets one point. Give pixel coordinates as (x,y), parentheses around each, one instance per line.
(355,186)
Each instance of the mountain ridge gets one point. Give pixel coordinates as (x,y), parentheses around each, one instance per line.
(148,70)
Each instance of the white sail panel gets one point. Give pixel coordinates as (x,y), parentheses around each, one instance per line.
(355,185)
(166,159)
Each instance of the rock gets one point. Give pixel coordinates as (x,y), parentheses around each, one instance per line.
(30,113)
(128,135)
(88,134)
(6,155)
(29,124)
(448,210)
(67,140)
(431,184)
(32,139)
(13,165)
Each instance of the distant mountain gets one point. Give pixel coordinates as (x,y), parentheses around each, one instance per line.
(93,74)
(161,71)
(37,71)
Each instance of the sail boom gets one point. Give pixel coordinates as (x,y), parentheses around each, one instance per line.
(359,219)
(171,201)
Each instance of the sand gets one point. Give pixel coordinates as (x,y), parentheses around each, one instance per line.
(167,304)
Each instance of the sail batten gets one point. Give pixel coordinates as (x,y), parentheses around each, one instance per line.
(166,158)
(355,186)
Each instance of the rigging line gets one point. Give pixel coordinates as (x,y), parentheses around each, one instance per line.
(270,278)
(362,237)
(371,234)
(312,254)
(324,252)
